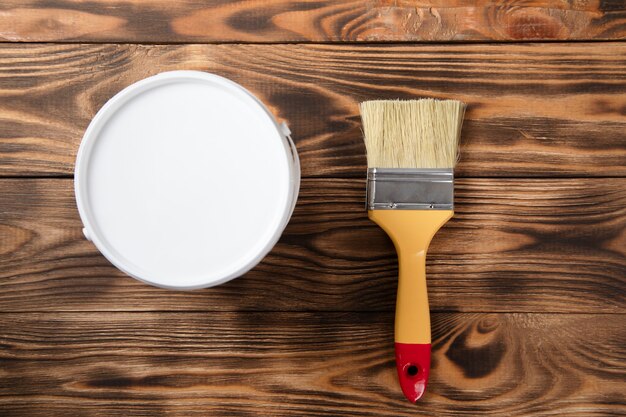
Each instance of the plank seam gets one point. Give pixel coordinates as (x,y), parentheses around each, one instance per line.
(300,42)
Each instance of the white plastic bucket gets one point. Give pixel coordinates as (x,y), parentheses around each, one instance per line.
(185,180)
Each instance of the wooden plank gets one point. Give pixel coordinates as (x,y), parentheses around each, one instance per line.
(317,21)
(534,110)
(320,364)
(513,246)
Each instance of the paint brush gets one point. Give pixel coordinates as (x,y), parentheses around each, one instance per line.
(412,148)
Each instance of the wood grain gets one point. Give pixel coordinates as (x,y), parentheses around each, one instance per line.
(321,364)
(534,110)
(513,245)
(526,283)
(306,21)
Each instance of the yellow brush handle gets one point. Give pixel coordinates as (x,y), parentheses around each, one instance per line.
(411,232)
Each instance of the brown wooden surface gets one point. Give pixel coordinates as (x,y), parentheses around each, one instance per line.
(527,282)
(535,109)
(321,364)
(514,245)
(305,21)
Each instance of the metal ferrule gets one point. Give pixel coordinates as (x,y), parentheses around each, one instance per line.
(410,189)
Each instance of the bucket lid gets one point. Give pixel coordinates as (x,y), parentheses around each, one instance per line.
(185,180)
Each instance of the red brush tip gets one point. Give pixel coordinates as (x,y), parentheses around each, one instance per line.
(413,365)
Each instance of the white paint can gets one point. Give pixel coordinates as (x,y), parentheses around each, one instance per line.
(185,180)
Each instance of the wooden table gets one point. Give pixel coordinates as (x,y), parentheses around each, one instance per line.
(527,282)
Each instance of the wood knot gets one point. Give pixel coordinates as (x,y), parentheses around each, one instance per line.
(475,352)
(487,324)
(526,24)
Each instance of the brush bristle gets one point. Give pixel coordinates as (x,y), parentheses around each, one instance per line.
(420,133)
